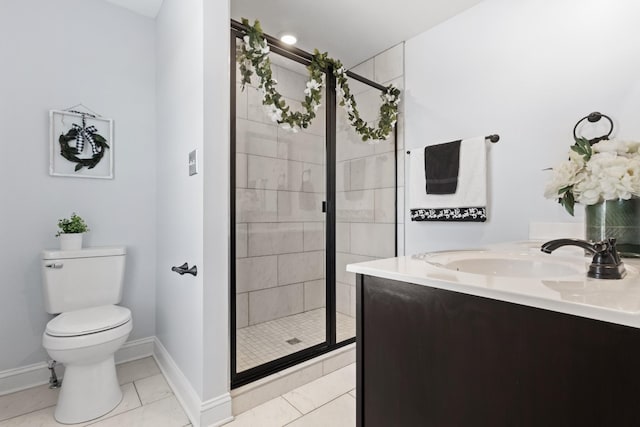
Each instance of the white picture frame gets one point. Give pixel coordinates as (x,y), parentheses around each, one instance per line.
(60,122)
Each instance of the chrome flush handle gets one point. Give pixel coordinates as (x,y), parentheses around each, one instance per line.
(54,265)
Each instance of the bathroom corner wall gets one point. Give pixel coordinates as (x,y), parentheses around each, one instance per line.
(527,70)
(180,118)
(280,186)
(366,180)
(56,55)
(193,211)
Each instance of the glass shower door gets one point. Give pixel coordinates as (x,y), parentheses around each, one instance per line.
(304,206)
(280,298)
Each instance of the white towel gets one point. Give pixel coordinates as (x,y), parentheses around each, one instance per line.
(469,202)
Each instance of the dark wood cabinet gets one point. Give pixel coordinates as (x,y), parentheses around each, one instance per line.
(433,357)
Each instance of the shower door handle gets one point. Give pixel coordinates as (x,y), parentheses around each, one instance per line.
(324,206)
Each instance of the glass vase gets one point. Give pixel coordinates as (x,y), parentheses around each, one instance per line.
(619,219)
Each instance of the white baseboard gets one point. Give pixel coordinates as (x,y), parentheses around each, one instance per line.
(17,379)
(134,350)
(211,413)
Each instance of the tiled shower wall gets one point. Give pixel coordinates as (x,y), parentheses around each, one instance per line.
(366,180)
(280,186)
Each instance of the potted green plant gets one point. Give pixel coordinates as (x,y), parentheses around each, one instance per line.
(71,231)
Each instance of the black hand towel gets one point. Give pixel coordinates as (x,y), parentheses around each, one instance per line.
(441,166)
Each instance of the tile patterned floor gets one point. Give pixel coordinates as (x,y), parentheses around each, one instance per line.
(327,401)
(147,402)
(261,343)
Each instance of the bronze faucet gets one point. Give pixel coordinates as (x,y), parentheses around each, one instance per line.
(606,263)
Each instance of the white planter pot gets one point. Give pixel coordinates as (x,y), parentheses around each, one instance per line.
(70,241)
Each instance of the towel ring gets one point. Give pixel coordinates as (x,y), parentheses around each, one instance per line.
(593,118)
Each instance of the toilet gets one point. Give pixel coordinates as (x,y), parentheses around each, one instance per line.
(84,286)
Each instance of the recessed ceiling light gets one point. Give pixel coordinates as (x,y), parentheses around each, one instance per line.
(288,38)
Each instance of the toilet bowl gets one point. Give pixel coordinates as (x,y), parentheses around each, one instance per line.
(83,287)
(85,342)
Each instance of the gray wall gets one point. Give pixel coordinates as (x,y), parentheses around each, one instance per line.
(56,54)
(527,70)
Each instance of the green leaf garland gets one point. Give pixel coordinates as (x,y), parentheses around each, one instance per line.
(253,57)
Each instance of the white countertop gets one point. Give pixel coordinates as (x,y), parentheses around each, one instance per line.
(615,301)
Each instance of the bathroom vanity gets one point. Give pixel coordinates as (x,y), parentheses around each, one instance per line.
(504,337)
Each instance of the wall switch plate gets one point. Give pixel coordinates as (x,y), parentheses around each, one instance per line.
(193,162)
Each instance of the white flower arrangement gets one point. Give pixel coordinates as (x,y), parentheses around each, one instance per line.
(608,170)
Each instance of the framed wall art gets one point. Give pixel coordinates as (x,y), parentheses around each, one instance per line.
(81,145)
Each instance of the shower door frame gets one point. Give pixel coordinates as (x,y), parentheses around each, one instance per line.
(298,55)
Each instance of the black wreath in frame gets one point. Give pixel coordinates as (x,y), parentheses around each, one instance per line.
(81,134)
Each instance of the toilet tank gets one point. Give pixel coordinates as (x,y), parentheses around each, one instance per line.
(84,278)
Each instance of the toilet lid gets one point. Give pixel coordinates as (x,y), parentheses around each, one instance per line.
(88,321)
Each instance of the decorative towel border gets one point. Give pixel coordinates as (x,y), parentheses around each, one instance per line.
(450,214)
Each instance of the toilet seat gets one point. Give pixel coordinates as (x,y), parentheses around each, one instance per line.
(88,321)
(50,342)
(87,327)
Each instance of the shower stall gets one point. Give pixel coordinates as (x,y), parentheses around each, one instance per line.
(303,206)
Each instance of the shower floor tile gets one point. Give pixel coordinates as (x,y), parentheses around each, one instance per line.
(264,342)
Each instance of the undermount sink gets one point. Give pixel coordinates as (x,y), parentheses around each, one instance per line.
(506,264)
